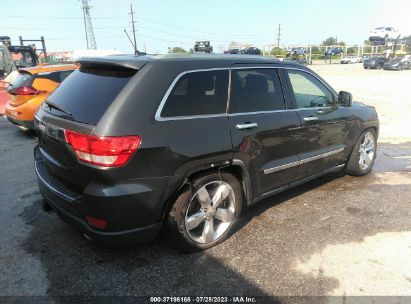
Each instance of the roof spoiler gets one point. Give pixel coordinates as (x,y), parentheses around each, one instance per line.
(115,61)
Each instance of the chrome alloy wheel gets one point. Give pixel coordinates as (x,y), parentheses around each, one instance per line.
(210,213)
(367,151)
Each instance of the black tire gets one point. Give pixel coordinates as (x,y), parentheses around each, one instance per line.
(175,227)
(353,165)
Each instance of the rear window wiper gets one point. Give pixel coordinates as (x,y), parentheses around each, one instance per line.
(54,106)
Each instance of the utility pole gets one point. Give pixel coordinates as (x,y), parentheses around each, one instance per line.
(88,26)
(279,36)
(134,30)
(85,25)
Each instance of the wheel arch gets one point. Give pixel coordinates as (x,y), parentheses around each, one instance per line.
(236,167)
(358,135)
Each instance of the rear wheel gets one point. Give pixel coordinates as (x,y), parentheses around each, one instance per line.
(205,215)
(363,155)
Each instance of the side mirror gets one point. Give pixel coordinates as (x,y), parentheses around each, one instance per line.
(345,99)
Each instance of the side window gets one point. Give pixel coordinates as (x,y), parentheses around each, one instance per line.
(255,90)
(198,93)
(308,91)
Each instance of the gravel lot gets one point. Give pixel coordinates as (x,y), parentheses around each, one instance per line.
(338,235)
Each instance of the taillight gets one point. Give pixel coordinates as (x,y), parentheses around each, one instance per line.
(25,91)
(99,223)
(110,151)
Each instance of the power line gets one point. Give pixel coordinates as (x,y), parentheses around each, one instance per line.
(181,27)
(200,31)
(57,18)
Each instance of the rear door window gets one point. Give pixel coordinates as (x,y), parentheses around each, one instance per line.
(256,90)
(88,92)
(198,93)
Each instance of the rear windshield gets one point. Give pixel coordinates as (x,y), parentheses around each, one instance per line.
(88,92)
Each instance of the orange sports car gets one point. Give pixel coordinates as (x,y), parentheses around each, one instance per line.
(29,90)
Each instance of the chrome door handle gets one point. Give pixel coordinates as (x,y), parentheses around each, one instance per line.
(246,126)
(311,118)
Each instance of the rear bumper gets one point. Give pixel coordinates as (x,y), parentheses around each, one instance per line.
(118,238)
(29,124)
(133,211)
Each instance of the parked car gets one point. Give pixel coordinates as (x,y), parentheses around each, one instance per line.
(4,96)
(399,64)
(350,59)
(233,51)
(251,51)
(374,62)
(334,51)
(29,90)
(203,47)
(302,61)
(118,159)
(297,52)
(383,34)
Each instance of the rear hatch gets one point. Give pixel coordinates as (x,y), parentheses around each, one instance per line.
(77,105)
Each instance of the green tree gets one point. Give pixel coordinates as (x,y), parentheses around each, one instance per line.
(176,49)
(276,51)
(316,50)
(351,50)
(329,41)
(342,43)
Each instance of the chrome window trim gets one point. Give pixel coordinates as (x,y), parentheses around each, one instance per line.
(303,161)
(50,187)
(258,112)
(158,116)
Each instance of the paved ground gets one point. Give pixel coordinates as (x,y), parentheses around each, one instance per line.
(338,235)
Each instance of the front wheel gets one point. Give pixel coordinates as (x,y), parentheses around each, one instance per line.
(363,155)
(206,214)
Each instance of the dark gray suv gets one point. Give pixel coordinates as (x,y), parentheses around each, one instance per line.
(132,144)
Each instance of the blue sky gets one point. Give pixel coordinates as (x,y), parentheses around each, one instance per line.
(161,24)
